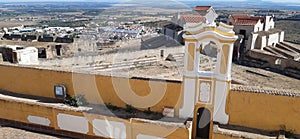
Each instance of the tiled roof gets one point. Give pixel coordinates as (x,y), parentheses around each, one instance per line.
(202,8)
(262,19)
(236,16)
(270,91)
(246,21)
(193,18)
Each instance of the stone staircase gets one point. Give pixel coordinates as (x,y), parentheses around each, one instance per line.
(179,58)
(271,50)
(285,50)
(291,50)
(295,47)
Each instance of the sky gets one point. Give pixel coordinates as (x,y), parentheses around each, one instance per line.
(285,1)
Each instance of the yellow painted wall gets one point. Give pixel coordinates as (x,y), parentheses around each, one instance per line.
(19,111)
(32,81)
(263,111)
(162,131)
(97,89)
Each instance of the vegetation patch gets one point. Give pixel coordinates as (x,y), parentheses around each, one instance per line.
(75,101)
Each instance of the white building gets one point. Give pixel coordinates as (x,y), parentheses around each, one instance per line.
(255,32)
(20,55)
(27,56)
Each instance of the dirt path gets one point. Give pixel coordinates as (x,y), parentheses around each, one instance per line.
(14,133)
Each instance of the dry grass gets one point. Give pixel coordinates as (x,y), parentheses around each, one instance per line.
(14,24)
(291,28)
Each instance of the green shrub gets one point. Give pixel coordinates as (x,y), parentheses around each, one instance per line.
(70,101)
(75,101)
(81,101)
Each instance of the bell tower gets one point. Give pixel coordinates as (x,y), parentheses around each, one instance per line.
(207,72)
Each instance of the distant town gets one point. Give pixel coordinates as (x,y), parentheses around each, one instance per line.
(150,69)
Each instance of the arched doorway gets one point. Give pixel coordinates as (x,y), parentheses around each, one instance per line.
(203,123)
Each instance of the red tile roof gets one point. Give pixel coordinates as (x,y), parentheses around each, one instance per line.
(193,18)
(202,8)
(245,19)
(237,16)
(262,19)
(250,22)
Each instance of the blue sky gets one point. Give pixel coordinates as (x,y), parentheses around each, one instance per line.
(285,1)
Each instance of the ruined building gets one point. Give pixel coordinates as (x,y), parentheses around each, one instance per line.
(261,45)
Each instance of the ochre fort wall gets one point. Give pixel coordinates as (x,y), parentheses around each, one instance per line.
(245,108)
(76,122)
(96,89)
(264,111)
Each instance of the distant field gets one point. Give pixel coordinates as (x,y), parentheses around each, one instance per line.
(291,28)
(14,24)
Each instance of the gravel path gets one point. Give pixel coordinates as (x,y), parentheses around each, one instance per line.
(14,133)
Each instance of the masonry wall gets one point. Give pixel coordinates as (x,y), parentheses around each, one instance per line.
(248,29)
(257,110)
(273,39)
(82,60)
(263,111)
(74,123)
(140,93)
(286,66)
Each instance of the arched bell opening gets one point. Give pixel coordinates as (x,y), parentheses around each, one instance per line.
(208,52)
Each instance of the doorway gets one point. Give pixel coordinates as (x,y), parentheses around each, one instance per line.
(58,50)
(203,123)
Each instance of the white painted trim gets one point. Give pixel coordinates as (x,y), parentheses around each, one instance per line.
(73,123)
(220,114)
(187,109)
(211,93)
(39,120)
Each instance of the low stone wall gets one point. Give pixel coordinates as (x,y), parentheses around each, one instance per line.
(75,122)
(260,59)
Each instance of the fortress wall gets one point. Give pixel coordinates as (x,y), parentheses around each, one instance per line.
(75,123)
(264,111)
(97,89)
(245,108)
(83,60)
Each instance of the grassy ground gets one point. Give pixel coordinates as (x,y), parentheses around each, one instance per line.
(14,24)
(291,28)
